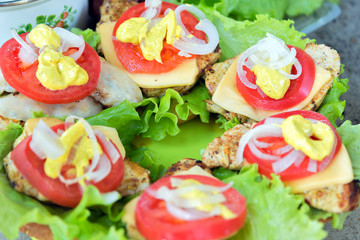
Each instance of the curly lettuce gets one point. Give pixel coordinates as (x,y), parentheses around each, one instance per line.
(273,212)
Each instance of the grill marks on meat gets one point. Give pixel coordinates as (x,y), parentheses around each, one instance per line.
(221,152)
(184,165)
(337,199)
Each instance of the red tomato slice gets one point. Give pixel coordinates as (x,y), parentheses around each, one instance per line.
(25,81)
(130,55)
(298,90)
(154,222)
(293,172)
(32,168)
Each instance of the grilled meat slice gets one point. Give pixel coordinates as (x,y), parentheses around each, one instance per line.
(221,152)
(184,165)
(336,199)
(136,178)
(323,56)
(114,86)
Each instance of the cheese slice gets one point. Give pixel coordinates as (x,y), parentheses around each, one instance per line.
(185,74)
(228,97)
(113,135)
(339,171)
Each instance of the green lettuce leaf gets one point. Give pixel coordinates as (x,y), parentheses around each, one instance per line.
(337,220)
(90,36)
(160,115)
(7,138)
(307,7)
(248,9)
(227,124)
(124,118)
(350,137)
(64,224)
(146,158)
(272,211)
(332,107)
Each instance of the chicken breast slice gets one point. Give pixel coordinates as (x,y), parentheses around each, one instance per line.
(114,87)
(20,107)
(136,178)
(4,86)
(323,56)
(221,152)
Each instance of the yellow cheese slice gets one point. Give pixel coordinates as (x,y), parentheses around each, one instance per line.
(339,171)
(185,74)
(228,97)
(113,135)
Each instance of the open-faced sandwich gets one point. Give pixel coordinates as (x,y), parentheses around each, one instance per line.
(271,77)
(54,71)
(187,203)
(157,44)
(90,189)
(301,147)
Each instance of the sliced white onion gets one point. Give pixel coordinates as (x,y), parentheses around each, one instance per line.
(312,166)
(283,150)
(109,147)
(27,53)
(102,171)
(110,197)
(94,147)
(45,142)
(153,8)
(324,163)
(176,182)
(298,68)
(68,40)
(188,214)
(300,158)
(273,120)
(241,62)
(270,52)
(193,45)
(262,144)
(285,162)
(185,208)
(259,154)
(265,130)
(262,94)
(186,35)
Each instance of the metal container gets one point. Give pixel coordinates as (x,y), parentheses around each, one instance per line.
(23,15)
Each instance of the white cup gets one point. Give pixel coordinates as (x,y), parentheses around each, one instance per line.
(23,15)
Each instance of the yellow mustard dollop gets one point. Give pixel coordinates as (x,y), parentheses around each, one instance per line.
(74,136)
(297,132)
(150,35)
(55,71)
(43,35)
(226,213)
(271,82)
